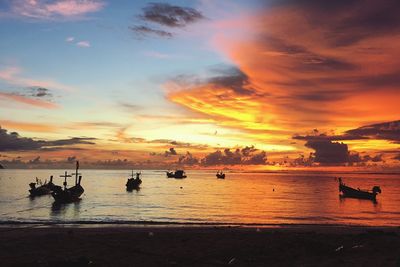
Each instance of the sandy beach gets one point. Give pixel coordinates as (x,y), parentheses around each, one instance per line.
(181,245)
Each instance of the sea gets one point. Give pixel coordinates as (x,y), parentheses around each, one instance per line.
(242,198)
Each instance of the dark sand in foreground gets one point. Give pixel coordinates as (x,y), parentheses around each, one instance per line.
(199,246)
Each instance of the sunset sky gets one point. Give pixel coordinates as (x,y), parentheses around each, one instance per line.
(270,84)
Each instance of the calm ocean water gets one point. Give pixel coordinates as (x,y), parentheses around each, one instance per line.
(242,198)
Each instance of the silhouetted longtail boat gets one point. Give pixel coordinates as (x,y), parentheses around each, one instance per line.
(39,189)
(133,183)
(178,174)
(220,175)
(72,194)
(347,191)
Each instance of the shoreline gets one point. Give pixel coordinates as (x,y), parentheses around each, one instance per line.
(310,245)
(159,224)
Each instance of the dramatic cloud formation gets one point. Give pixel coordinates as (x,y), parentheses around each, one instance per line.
(52,9)
(328,152)
(386,131)
(226,97)
(244,156)
(14,142)
(304,67)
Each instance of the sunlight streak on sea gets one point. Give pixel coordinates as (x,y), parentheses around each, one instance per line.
(242,198)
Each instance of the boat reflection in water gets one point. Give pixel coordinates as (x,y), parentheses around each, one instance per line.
(72,194)
(347,191)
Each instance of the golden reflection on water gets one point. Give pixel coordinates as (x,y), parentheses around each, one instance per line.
(244,198)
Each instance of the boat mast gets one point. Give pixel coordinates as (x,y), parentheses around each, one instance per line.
(76,172)
(65,176)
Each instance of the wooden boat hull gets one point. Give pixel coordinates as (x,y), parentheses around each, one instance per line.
(45,189)
(68,195)
(133,184)
(39,191)
(220,176)
(175,175)
(356,193)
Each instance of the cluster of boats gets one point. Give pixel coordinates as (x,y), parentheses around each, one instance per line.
(60,194)
(63,194)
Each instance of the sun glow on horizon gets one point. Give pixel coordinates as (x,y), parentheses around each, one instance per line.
(255,84)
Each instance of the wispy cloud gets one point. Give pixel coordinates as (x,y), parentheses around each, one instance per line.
(13,75)
(70,39)
(142,31)
(53,10)
(156,54)
(28,101)
(85,44)
(28,126)
(80,43)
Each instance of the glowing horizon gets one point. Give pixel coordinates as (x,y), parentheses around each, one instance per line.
(228,84)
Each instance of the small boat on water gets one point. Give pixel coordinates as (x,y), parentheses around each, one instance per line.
(220,175)
(72,194)
(39,189)
(134,183)
(347,191)
(178,174)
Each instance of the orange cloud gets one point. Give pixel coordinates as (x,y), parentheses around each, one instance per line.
(12,75)
(28,101)
(27,126)
(303,70)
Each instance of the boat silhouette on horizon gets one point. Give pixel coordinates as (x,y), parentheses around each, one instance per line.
(72,194)
(349,192)
(40,189)
(178,174)
(134,183)
(220,175)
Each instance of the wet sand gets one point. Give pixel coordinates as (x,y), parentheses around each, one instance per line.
(199,246)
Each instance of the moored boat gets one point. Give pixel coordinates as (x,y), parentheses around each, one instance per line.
(40,189)
(178,174)
(72,194)
(134,183)
(220,175)
(347,191)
